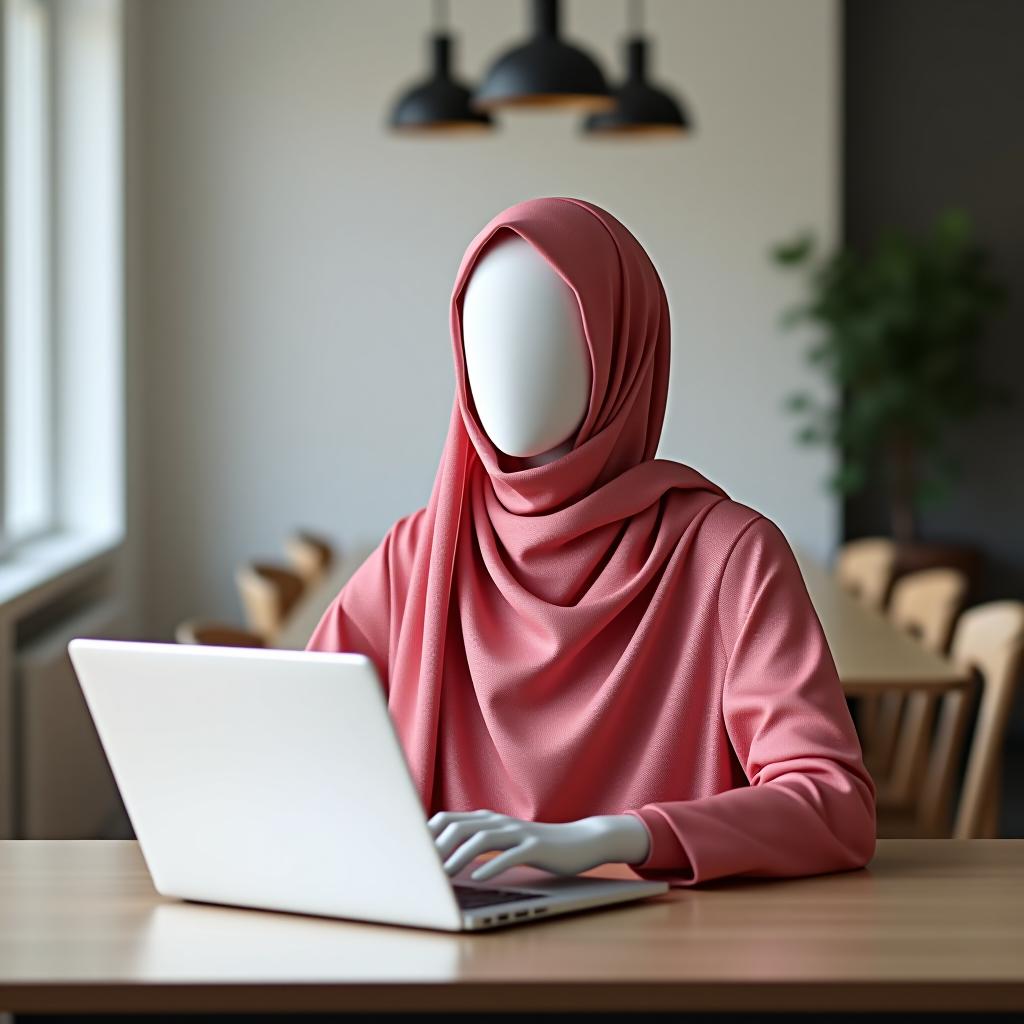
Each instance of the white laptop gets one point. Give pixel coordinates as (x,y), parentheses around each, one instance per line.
(275,779)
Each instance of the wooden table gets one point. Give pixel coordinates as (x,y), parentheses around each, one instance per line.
(871,654)
(929,925)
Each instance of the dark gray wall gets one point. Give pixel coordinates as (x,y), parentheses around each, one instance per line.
(935,117)
(934,98)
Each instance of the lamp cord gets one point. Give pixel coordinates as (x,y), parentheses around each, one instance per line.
(440,16)
(635,17)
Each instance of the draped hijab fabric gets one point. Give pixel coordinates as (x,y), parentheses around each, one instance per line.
(554,640)
(544,565)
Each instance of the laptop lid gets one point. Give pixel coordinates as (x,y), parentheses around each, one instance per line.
(265,778)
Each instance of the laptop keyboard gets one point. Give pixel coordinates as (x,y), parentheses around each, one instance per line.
(470,896)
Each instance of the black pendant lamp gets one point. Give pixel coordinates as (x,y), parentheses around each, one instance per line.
(441,103)
(640,108)
(545,71)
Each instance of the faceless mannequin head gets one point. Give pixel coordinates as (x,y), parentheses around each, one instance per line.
(527,361)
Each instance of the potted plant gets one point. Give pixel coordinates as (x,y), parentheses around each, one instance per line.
(896,332)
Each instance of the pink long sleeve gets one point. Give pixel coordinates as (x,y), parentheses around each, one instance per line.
(810,804)
(339,629)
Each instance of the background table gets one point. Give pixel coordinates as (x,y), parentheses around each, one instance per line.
(929,925)
(871,654)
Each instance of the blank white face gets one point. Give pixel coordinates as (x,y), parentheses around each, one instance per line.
(527,360)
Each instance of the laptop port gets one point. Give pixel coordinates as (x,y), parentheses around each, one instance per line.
(503,917)
(522,913)
(541,910)
(487,920)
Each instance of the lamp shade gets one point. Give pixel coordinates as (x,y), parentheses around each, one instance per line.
(640,106)
(544,71)
(440,103)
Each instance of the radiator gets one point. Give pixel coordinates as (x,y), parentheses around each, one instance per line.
(65,789)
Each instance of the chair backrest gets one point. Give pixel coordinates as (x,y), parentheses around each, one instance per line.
(926,603)
(215,634)
(990,638)
(865,568)
(268,594)
(309,555)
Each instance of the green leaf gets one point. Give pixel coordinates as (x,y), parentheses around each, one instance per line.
(849,478)
(819,353)
(799,401)
(794,252)
(810,434)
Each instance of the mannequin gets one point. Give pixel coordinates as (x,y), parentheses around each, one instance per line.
(579,640)
(529,374)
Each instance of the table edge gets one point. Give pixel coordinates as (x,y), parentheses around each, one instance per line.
(636,995)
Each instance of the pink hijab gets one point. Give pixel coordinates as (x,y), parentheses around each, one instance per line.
(541,589)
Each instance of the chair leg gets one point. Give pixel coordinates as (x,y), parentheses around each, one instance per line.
(989,825)
(879,761)
(867,723)
(935,807)
(911,754)
(979,799)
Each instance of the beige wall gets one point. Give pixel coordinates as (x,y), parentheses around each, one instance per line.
(297,261)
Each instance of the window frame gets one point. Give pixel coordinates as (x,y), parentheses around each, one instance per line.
(85,382)
(10,543)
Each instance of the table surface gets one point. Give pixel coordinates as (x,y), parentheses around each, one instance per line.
(870,653)
(928,925)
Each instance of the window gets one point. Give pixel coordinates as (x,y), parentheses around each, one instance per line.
(61,347)
(28,393)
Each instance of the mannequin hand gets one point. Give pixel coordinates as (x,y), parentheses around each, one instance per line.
(565,849)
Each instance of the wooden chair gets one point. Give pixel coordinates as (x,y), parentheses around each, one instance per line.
(865,568)
(926,605)
(310,556)
(215,634)
(268,594)
(989,638)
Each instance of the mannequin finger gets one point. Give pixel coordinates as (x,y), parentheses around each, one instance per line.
(520,854)
(482,842)
(438,822)
(458,832)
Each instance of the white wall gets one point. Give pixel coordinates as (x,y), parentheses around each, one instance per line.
(299,260)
